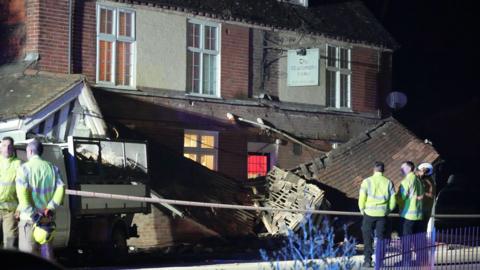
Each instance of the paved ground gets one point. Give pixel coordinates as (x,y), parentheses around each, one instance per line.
(447,257)
(225,266)
(284,265)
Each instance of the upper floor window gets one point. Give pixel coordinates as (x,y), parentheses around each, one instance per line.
(203,58)
(115,45)
(338,77)
(201,146)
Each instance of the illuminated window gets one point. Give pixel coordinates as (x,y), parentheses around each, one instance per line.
(201,146)
(202,58)
(257,165)
(115,46)
(338,77)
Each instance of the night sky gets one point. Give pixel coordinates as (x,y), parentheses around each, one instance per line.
(436,67)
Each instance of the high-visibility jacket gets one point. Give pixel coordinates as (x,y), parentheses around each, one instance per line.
(377,196)
(8,194)
(410,197)
(39,187)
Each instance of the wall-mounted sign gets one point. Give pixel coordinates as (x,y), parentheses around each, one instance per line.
(303,67)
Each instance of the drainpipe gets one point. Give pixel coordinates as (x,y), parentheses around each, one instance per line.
(69,58)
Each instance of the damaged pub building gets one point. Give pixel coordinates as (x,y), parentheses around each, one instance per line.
(242,102)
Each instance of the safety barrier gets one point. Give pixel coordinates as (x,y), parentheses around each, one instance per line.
(450,249)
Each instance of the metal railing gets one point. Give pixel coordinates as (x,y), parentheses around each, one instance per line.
(449,249)
(427,250)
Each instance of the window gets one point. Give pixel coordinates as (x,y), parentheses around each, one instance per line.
(115,46)
(257,164)
(338,77)
(201,146)
(203,58)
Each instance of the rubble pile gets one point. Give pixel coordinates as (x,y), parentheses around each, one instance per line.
(287,190)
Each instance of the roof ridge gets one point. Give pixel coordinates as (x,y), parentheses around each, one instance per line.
(361,27)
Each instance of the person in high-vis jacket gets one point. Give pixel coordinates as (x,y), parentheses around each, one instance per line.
(9,164)
(375,201)
(40,191)
(424,173)
(410,198)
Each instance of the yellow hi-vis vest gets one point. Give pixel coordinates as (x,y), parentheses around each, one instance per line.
(39,186)
(377,196)
(8,172)
(410,197)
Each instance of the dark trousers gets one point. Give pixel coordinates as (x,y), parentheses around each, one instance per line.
(423,225)
(410,240)
(410,227)
(370,224)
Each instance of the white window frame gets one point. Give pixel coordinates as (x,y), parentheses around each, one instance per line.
(114,38)
(340,71)
(201,50)
(202,151)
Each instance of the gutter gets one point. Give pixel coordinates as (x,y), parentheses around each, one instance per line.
(69,57)
(246,103)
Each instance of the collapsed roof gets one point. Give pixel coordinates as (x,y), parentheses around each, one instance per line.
(341,171)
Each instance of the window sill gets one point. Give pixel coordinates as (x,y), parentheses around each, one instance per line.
(202,96)
(348,110)
(119,87)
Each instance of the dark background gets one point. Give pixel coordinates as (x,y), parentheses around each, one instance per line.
(436,68)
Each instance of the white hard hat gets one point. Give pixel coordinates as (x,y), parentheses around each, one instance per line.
(426,166)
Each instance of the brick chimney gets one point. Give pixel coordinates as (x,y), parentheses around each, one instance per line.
(47,25)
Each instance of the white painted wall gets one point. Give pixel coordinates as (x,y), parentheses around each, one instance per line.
(306,94)
(161,49)
(302,94)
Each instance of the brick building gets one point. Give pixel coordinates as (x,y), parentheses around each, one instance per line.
(297,78)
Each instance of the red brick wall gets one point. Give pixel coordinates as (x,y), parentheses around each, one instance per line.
(84,39)
(47,33)
(33,25)
(160,230)
(235,61)
(364,79)
(12,30)
(385,82)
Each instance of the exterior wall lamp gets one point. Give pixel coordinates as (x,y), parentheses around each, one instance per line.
(302,51)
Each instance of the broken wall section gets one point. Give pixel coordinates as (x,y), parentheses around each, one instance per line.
(341,171)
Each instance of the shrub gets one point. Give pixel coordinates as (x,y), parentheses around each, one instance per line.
(313,248)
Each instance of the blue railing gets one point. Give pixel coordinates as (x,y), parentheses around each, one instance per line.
(450,248)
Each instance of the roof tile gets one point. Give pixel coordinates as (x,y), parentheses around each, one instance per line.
(389,142)
(347,20)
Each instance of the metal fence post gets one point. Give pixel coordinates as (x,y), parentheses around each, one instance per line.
(432,247)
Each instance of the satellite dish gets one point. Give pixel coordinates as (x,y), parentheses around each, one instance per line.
(396,100)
